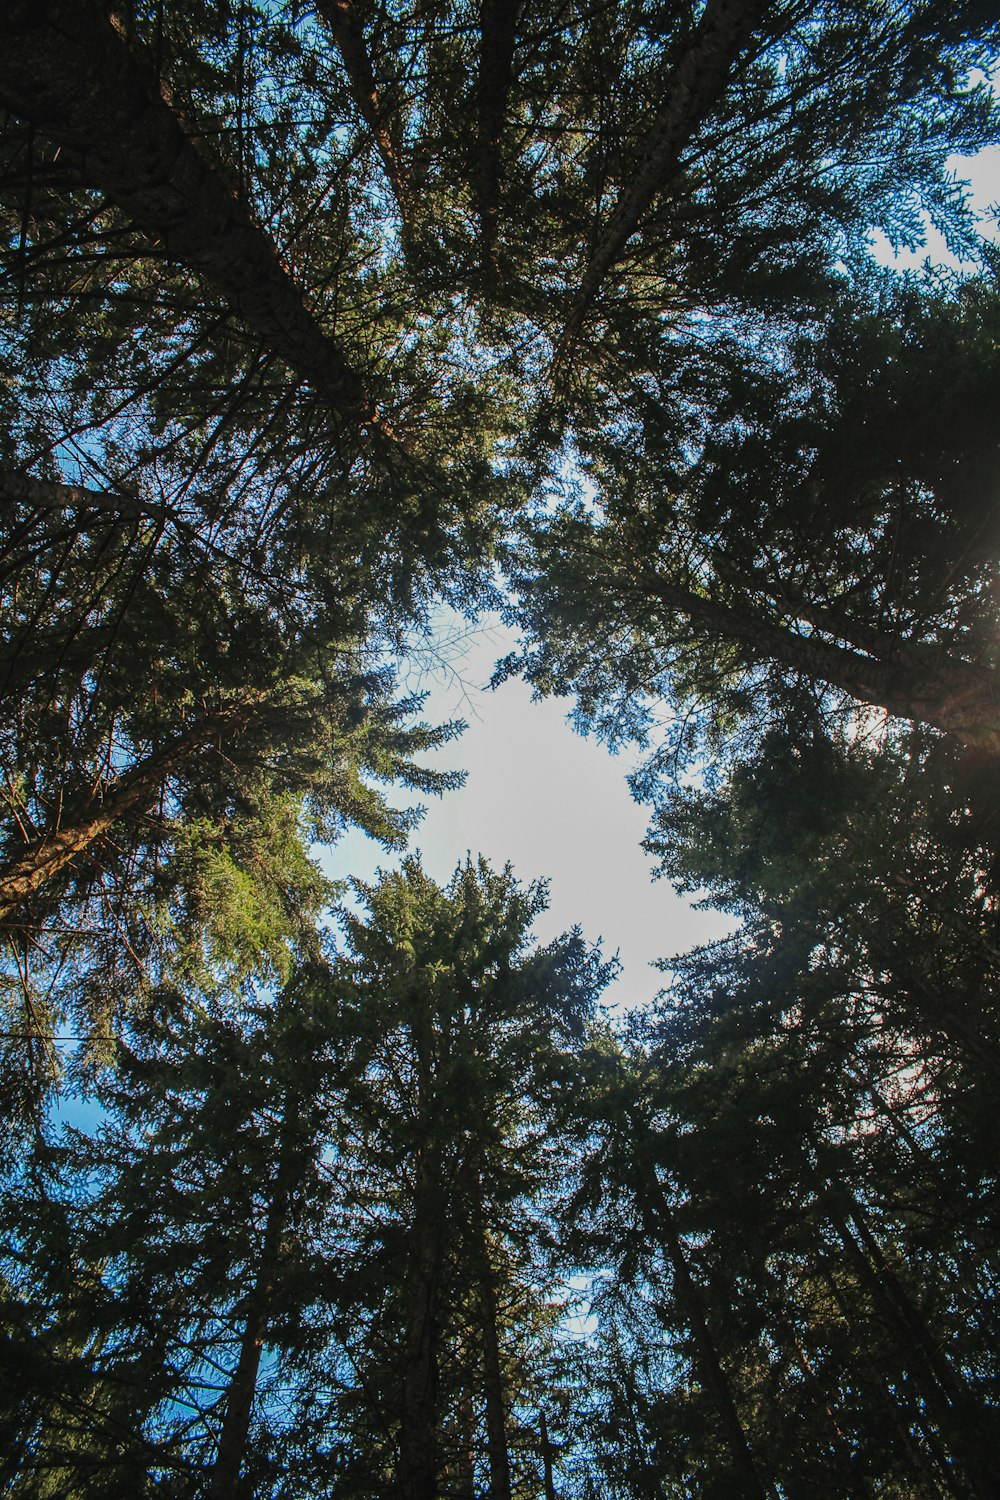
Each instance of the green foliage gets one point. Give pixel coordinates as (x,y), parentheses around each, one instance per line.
(318,317)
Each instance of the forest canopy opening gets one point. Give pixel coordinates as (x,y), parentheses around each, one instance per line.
(318,320)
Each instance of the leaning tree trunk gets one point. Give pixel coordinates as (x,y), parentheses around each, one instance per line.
(341,16)
(922,1477)
(693,88)
(909,679)
(68,69)
(29,871)
(962,1425)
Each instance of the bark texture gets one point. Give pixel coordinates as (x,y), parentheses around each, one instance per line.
(67,68)
(50,495)
(910,679)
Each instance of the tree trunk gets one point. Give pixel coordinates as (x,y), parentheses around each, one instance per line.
(48,495)
(496,1416)
(67,68)
(543,1429)
(27,872)
(947,1399)
(958,698)
(342,18)
(498,34)
(243,1385)
(923,1474)
(418,1436)
(465,1480)
(658,1223)
(694,86)
(853,1482)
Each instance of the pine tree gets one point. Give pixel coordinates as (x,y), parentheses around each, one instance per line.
(447,1135)
(188,1238)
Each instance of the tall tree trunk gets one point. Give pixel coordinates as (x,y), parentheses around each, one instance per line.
(243,1384)
(66,67)
(418,1435)
(341,16)
(962,1425)
(493,1387)
(543,1431)
(658,1222)
(852,1480)
(417,1475)
(694,86)
(465,1483)
(923,1474)
(954,696)
(498,34)
(27,872)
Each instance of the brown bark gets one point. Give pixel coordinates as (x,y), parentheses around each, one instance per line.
(243,1385)
(920,684)
(51,495)
(498,33)
(341,16)
(693,87)
(37,864)
(66,68)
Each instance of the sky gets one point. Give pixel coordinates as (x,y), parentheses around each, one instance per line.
(555,804)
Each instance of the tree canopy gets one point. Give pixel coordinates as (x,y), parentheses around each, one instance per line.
(318,318)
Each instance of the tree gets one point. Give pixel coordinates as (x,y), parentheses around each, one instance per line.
(447,1134)
(311,316)
(834,529)
(188,1232)
(813,1097)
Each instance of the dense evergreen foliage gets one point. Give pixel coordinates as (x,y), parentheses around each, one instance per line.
(318,317)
